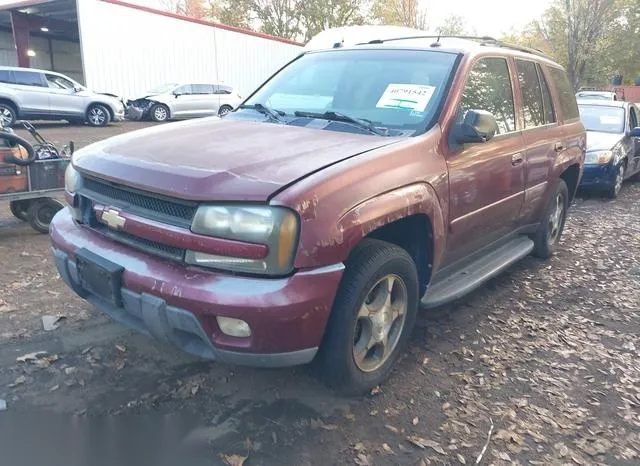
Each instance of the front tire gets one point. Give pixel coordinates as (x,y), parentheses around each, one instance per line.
(614,190)
(372,317)
(98,115)
(553,220)
(41,212)
(159,113)
(224,110)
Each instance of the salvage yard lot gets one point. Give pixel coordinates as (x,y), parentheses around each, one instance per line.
(547,353)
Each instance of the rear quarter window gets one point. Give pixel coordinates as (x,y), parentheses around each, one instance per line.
(566,97)
(6,77)
(29,78)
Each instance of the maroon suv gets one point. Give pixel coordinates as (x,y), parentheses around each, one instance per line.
(352,187)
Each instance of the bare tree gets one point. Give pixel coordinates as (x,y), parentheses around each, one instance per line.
(407,13)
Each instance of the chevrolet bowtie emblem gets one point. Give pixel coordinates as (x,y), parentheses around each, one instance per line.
(113,219)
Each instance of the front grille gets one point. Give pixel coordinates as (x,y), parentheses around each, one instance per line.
(170,211)
(143,244)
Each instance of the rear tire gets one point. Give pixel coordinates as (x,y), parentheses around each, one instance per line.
(20,209)
(8,114)
(41,212)
(98,115)
(355,355)
(159,113)
(555,214)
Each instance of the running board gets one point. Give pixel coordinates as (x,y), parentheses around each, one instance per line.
(473,275)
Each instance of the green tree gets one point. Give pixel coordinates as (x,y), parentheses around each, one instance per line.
(281,18)
(318,15)
(408,13)
(453,25)
(230,12)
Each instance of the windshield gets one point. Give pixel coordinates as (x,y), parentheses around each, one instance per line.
(602,118)
(594,96)
(394,89)
(162,88)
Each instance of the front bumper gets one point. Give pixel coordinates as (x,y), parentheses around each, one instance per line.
(178,304)
(598,176)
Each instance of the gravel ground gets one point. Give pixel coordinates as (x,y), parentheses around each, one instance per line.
(540,366)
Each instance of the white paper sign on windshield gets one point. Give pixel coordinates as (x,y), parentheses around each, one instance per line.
(406,96)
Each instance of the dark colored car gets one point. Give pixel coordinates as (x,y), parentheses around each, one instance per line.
(613,144)
(352,187)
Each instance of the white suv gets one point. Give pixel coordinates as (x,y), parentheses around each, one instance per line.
(26,93)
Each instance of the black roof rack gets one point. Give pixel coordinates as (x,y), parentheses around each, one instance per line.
(484,40)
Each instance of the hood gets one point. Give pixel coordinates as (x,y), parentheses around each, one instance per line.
(597,141)
(211,159)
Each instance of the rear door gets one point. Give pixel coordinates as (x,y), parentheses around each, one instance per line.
(32,91)
(182,105)
(486,180)
(542,135)
(205,100)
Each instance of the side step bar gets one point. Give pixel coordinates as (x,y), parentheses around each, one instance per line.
(474,274)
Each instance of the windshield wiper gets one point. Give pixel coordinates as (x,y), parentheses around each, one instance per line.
(275,115)
(336,116)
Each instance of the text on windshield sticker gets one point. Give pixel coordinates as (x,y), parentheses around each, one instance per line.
(406,96)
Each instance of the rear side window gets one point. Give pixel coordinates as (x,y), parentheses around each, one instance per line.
(6,77)
(223,89)
(532,105)
(633,118)
(28,78)
(489,88)
(565,94)
(201,89)
(182,90)
(549,114)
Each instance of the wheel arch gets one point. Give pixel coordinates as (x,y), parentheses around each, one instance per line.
(12,103)
(102,104)
(571,176)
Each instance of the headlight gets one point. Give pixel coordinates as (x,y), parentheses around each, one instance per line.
(276,227)
(599,158)
(72,179)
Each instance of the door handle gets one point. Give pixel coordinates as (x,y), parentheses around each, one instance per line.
(558,147)
(517,159)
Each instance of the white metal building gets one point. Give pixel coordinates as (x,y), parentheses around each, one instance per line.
(117,47)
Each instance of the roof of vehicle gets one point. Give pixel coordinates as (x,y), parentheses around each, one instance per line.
(34,70)
(604,103)
(468,45)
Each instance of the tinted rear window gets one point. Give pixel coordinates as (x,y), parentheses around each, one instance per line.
(28,78)
(532,105)
(566,96)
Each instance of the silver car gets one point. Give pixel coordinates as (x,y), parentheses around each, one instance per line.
(183,100)
(30,94)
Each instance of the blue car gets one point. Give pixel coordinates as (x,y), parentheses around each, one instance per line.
(613,144)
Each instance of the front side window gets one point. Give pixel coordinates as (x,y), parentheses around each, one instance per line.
(395,89)
(6,77)
(201,89)
(28,78)
(532,106)
(489,88)
(183,90)
(602,119)
(566,96)
(58,82)
(162,88)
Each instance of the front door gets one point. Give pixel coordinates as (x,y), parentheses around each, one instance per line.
(486,180)
(63,98)
(33,92)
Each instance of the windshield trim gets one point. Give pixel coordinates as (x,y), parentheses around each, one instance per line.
(438,108)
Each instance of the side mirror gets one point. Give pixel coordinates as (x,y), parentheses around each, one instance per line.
(478,126)
(77,89)
(176,94)
(635,132)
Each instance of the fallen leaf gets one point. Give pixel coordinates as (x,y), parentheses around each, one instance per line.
(362,460)
(120,364)
(461,459)
(350,417)
(329,426)
(415,421)
(392,429)
(359,447)
(195,389)
(54,388)
(375,390)
(70,370)
(504,456)
(121,348)
(387,448)
(234,460)
(577,460)
(19,381)
(422,443)
(446,406)
(29,357)
(86,350)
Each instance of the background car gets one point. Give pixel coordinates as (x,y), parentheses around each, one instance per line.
(596,95)
(27,93)
(613,144)
(181,100)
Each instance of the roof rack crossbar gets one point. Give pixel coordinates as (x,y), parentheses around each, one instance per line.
(485,40)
